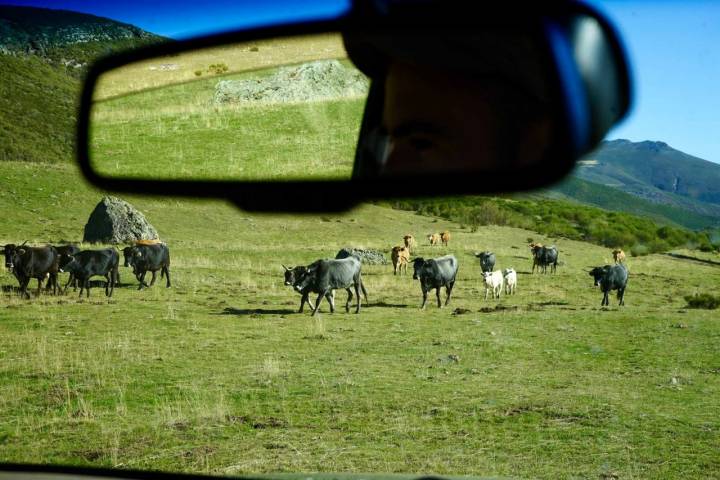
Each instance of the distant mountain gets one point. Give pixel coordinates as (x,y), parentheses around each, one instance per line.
(661,182)
(42,56)
(71,38)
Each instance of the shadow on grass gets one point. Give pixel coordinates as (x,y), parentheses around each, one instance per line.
(256,311)
(386,305)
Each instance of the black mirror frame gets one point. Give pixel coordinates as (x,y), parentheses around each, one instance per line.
(316,196)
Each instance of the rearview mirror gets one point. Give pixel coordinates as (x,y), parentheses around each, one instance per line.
(393,99)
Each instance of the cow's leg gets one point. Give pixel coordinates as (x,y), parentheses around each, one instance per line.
(487,289)
(166,269)
(152,281)
(448,291)
(605,300)
(87,287)
(141,279)
(621,295)
(357,294)
(82,287)
(395,268)
(424,292)
(437,294)
(319,299)
(23,288)
(304,298)
(330,296)
(70,279)
(39,286)
(349,299)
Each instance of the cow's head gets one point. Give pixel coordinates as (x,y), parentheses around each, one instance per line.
(598,273)
(418,265)
(9,252)
(293,275)
(128,256)
(67,263)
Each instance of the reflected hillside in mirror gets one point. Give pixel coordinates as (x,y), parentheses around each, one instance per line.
(247,112)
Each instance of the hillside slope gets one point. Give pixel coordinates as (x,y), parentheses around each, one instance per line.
(655,172)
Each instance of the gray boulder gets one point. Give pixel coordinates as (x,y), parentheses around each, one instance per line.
(367,256)
(116,221)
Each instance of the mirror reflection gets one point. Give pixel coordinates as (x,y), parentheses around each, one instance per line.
(278,109)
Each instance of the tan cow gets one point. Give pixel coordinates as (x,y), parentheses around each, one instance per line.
(434,238)
(400,258)
(409,241)
(445,237)
(618,256)
(154,241)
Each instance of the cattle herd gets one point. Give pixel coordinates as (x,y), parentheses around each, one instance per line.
(47,262)
(324,276)
(321,277)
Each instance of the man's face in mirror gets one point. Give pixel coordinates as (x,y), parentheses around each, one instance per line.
(441,121)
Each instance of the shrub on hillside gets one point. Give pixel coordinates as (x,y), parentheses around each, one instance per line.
(703,300)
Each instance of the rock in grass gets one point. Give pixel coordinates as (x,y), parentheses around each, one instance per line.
(313,81)
(116,221)
(367,256)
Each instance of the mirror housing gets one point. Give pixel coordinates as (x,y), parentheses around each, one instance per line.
(585,73)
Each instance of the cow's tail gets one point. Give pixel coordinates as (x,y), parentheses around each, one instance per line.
(362,287)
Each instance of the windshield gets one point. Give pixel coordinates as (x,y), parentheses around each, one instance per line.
(570,332)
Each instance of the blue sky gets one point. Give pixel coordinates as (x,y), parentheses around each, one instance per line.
(674,47)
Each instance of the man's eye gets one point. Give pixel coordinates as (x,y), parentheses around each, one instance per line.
(420,143)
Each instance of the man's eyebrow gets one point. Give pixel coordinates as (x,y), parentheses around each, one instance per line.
(414,127)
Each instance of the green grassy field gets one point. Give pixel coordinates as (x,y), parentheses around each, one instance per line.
(220,375)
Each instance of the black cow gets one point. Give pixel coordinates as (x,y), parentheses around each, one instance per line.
(66,251)
(91,263)
(293,278)
(148,258)
(544,257)
(436,273)
(611,277)
(27,263)
(487,261)
(325,276)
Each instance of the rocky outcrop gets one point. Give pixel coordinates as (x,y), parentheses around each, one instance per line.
(367,256)
(116,221)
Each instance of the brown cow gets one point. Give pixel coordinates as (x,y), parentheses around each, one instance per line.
(434,238)
(154,241)
(445,237)
(400,258)
(409,241)
(618,256)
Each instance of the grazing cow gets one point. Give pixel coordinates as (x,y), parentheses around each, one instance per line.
(544,257)
(609,278)
(436,273)
(493,283)
(400,257)
(293,278)
(325,276)
(148,258)
(487,261)
(91,263)
(27,263)
(510,277)
(434,239)
(154,241)
(409,241)
(445,238)
(618,256)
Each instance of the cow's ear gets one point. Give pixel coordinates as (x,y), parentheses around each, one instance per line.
(20,251)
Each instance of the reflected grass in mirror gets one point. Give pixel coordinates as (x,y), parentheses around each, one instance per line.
(254,116)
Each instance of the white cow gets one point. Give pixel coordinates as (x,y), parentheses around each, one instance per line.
(494,282)
(510,277)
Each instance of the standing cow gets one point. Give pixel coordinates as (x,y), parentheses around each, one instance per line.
(609,278)
(445,238)
(510,278)
(493,283)
(27,263)
(325,276)
(148,258)
(487,261)
(434,239)
(436,273)
(409,241)
(544,257)
(618,256)
(400,257)
(91,263)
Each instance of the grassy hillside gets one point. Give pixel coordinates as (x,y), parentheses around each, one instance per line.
(220,375)
(589,193)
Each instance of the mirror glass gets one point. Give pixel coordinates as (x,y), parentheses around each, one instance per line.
(280,109)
